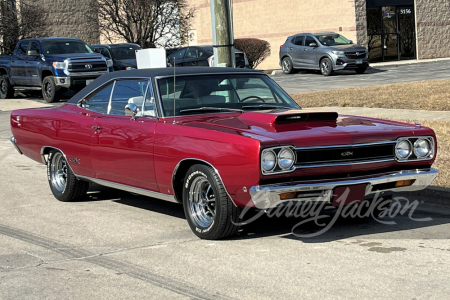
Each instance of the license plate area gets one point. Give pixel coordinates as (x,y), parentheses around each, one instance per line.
(89,81)
(355,194)
(359,61)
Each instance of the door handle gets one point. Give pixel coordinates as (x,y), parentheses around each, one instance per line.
(194,63)
(13,60)
(290,48)
(305,49)
(97,127)
(27,61)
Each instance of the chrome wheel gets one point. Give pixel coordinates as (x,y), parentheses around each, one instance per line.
(202,202)
(325,66)
(58,172)
(286,66)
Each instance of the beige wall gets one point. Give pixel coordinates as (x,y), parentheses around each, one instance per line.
(433,28)
(275,20)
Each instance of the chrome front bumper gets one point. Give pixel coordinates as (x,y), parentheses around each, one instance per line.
(13,141)
(268,196)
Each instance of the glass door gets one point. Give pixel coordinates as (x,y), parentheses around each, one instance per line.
(389,40)
(407,32)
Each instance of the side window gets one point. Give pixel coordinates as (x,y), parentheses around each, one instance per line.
(309,40)
(178,55)
(191,53)
(105,53)
(298,40)
(35,47)
(22,49)
(99,101)
(202,54)
(127,91)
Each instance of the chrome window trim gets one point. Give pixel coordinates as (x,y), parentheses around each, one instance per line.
(110,98)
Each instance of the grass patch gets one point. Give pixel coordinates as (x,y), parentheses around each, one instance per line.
(424,95)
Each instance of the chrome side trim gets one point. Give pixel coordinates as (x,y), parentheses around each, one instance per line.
(130,189)
(267,196)
(13,141)
(205,162)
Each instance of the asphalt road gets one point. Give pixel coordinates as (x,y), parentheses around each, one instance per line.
(116,245)
(309,81)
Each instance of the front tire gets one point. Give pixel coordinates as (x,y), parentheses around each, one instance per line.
(50,91)
(63,183)
(6,89)
(287,65)
(360,70)
(208,209)
(326,67)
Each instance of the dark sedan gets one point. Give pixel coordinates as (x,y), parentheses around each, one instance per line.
(122,55)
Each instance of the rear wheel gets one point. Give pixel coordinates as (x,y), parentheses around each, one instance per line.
(360,70)
(287,66)
(50,91)
(208,209)
(63,183)
(6,89)
(326,66)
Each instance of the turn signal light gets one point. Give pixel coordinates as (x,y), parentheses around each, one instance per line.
(285,196)
(404,183)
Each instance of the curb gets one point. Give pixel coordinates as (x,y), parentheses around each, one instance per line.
(433,195)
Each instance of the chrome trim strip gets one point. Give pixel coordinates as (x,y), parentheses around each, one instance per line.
(13,141)
(96,73)
(344,163)
(130,189)
(346,146)
(267,196)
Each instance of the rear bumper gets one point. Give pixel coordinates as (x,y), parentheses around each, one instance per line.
(268,196)
(13,141)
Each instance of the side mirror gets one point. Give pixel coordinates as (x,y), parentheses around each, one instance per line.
(312,44)
(131,110)
(32,53)
(351,42)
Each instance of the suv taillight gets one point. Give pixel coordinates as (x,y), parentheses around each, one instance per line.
(281,46)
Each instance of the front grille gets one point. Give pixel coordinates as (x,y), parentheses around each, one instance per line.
(355,55)
(318,156)
(87,66)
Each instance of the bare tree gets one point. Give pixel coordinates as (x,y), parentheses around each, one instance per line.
(149,23)
(21,20)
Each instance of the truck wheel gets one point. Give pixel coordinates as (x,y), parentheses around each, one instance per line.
(6,89)
(50,91)
(63,183)
(208,209)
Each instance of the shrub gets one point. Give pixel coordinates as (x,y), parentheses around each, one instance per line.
(256,50)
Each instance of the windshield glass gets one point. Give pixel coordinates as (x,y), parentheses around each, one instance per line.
(332,39)
(65,47)
(126,52)
(200,94)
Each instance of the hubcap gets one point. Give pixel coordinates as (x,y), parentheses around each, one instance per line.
(325,66)
(48,89)
(202,202)
(286,66)
(58,172)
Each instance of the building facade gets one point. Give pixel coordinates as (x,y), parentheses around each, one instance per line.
(390,29)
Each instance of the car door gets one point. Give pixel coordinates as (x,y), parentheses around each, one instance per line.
(18,65)
(309,56)
(191,57)
(177,57)
(33,64)
(295,50)
(122,148)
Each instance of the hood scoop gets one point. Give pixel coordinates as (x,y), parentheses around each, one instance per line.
(289,116)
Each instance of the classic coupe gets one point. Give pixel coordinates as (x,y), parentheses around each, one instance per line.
(218,140)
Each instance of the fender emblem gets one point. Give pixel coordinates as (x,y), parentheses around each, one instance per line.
(348,153)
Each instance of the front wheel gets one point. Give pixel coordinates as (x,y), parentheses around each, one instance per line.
(208,209)
(6,89)
(50,91)
(326,67)
(63,183)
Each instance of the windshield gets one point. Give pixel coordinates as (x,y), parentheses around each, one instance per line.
(65,47)
(126,52)
(201,94)
(332,39)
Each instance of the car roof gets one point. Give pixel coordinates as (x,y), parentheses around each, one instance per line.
(169,71)
(205,47)
(53,39)
(115,45)
(315,33)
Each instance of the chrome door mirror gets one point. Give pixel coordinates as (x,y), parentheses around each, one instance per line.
(131,110)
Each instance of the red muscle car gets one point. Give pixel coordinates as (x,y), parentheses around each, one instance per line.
(217,140)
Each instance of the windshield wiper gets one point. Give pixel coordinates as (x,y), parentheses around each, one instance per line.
(209,109)
(265,106)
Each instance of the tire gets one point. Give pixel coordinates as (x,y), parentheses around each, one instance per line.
(6,89)
(207,207)
(63,183)
(326,66)
(287,66)
(361,70)
(50,91)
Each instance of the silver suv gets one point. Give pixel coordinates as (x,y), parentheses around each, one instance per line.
(324,51)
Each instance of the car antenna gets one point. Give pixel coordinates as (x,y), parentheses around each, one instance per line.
(174,66)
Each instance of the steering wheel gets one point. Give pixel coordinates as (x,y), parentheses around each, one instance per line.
(250,97)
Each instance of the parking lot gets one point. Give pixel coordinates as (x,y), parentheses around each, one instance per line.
(118,245)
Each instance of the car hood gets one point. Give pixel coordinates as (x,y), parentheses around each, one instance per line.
(351,47)
(305,128)
(62,57)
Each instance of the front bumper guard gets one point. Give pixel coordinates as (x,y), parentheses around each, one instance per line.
(268,196)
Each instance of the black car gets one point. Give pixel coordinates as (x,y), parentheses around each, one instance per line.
(122,55)
(201,56)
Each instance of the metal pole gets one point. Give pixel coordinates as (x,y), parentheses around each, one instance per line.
(222,29)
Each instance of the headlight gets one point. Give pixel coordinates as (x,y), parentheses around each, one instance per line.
(403,149)
(422,148)
(59,65)
(268,160)
(286,158)
(338,52)
(109,63)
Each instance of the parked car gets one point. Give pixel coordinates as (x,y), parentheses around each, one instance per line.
(122,55)
(202,142)
(50,65)
(201,56)
(324,51)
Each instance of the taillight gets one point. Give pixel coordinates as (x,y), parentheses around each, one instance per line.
(281,46)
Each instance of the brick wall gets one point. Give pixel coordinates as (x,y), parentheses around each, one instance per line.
(69,18)
(433,28)
(275,20)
